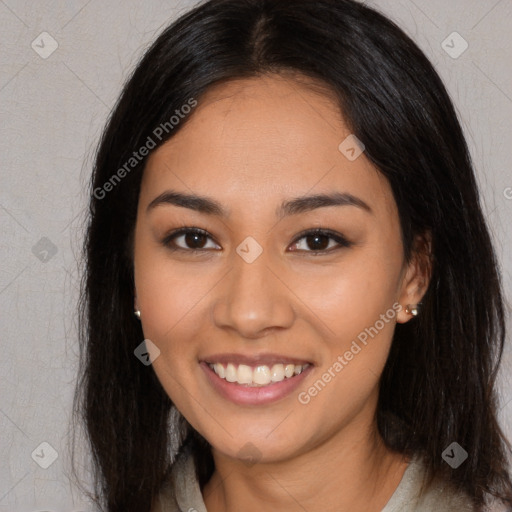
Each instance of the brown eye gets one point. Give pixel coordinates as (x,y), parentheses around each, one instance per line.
(319,241)
(188,239)
(195,240)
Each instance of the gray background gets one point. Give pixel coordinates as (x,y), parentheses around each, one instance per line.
(53,110)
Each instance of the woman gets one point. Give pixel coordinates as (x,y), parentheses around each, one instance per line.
(284,198)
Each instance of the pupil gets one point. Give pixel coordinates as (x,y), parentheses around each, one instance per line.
(315,245)
(191,239)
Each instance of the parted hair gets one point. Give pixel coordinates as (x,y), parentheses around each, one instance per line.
(439,382)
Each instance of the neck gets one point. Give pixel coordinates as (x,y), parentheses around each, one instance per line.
(351,471)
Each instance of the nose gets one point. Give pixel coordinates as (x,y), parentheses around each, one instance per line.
(253,300)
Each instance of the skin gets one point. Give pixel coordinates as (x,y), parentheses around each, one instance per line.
(250,144)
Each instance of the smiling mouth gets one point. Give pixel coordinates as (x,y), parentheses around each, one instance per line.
(258,376)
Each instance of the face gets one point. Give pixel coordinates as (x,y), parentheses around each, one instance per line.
(293,299)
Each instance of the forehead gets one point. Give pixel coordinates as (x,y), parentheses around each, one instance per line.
(260,138)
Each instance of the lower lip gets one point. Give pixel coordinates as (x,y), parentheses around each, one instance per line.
(258,395)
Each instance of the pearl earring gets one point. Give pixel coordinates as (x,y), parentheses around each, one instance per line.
(137,313)
(412,309)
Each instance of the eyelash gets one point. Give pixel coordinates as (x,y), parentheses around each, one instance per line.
(338,238)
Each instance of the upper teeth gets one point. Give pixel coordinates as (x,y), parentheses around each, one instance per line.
(259,376)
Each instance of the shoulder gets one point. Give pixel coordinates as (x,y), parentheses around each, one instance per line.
(180,492)
(166,500)
(440,497)
(444,499)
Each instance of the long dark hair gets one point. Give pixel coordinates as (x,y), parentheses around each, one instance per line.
(438,385)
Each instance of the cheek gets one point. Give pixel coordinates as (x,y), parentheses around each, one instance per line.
(166,292)
(353,295)
(356,303)
(170,316)
(354,355)
(170,312)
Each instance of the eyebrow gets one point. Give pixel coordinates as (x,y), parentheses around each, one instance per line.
(293,206)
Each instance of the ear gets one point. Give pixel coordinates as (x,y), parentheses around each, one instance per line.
(416,276)
(135,303)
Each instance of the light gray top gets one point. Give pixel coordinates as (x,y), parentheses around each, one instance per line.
(182,492)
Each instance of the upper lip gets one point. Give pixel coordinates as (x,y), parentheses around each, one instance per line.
(254,360)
